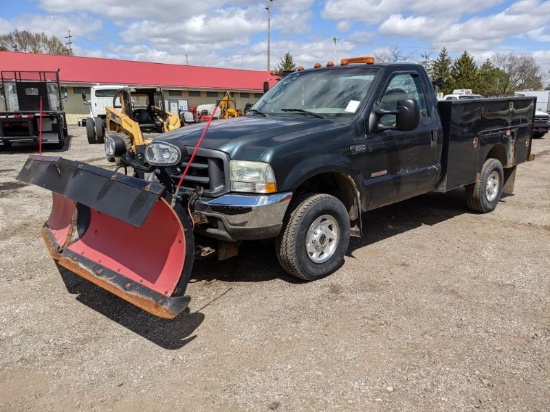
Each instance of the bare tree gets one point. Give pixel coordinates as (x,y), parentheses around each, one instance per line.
(522,72)
(25,41)
(391,55)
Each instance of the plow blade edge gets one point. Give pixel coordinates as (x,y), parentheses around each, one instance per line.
(117,232)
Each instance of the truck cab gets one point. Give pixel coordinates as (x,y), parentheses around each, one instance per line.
(101,96)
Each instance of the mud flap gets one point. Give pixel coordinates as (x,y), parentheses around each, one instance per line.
(117,232)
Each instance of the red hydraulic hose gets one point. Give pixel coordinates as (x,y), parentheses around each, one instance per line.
(196,150)
(40,129)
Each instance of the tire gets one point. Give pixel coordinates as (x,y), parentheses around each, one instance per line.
(484,195)
(99,130)
(315,237)
(61,144)
(61,136)
(90,130)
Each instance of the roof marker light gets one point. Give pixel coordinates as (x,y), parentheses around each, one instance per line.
(366,59)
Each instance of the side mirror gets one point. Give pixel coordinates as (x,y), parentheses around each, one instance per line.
(408,115)
(266,87)
(405,117)
(84,97)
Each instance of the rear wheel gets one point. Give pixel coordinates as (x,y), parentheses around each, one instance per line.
(99,130)
(484,195)
(90,130)
(315,237)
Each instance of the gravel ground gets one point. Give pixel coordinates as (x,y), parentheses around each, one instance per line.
(435,308)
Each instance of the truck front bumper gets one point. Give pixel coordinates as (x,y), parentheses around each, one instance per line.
(235,217)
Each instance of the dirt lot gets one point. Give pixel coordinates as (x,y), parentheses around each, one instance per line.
(436,308)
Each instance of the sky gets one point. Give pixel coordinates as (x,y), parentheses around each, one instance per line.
(238,34)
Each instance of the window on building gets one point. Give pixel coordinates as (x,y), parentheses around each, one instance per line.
(211,94)
(257,95)
(194,93)
(245,95)
(79,90)
(174,93)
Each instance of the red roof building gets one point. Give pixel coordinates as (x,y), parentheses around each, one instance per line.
(196,84)
(89,70)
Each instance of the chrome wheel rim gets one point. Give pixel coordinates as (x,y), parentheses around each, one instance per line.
(322,238)
(493,183)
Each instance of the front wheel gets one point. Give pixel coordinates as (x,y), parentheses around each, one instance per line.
(315,237)
(484,195)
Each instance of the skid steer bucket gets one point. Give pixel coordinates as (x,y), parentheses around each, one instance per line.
(117,232)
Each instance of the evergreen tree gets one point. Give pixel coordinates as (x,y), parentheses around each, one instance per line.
(442,69)
(489,79)
(464,73)
(286,64)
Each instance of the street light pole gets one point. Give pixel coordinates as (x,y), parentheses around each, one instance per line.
(268,8)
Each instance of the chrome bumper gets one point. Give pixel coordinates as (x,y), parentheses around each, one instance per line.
(242,217)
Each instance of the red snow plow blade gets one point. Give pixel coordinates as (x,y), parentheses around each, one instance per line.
(117,232)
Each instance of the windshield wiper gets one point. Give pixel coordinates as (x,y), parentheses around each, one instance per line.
(303,111)
(256,111)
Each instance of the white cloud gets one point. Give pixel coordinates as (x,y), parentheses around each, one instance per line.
(53,25)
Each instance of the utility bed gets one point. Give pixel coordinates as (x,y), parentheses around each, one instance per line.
(34,108)
(472,130)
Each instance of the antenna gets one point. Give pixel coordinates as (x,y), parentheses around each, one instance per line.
(69,42)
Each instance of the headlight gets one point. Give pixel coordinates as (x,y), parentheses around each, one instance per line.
(253,177)
(162,154)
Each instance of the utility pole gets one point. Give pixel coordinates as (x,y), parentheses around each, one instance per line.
(69,42)
(335,40)
(268,8)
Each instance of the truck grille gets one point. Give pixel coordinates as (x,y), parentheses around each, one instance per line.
(541,119)
(209,170)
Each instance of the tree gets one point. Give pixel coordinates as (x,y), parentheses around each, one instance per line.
(391,55)
(522,72)
(442,69)
(428,63)
(489,79)
(25,41)
(464,73)
(286,64)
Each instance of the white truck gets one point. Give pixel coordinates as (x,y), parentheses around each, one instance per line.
(543,98)
(541,124)
(461,94)
(100,97)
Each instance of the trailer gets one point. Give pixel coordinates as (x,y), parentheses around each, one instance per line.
(34,108)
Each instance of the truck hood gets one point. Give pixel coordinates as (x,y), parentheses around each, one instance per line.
(247,137)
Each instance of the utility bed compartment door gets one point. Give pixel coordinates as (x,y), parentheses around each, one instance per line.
(475,128)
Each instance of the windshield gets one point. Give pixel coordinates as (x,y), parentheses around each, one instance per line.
(323,93)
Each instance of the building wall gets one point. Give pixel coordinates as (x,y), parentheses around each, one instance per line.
(76,110)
